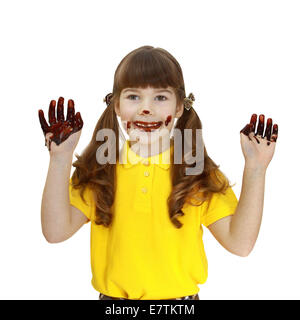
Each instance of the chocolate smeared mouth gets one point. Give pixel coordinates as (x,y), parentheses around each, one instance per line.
(147,126)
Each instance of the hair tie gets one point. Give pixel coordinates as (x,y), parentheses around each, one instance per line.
(188,101)
(108,98)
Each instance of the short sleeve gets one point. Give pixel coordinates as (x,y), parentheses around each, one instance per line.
(76,201)
(220,206)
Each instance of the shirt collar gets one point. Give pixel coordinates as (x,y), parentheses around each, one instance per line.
(162,159)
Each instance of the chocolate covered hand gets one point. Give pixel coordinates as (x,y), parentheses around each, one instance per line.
(60,128)
(258,146)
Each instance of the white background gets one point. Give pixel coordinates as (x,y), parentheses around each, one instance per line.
(238,58)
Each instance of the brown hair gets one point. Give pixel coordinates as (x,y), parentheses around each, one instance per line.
(143,67)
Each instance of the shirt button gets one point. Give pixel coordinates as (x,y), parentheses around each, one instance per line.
(146,173)
(144,190)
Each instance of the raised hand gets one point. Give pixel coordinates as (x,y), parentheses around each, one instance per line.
(258,146)
(60,129)
(271,136)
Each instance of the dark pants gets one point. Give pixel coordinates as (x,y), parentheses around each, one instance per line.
(192,297)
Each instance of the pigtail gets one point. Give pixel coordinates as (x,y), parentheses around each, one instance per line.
(193,189)
(101,178)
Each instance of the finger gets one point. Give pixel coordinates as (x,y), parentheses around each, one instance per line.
(274,133)
(54,139)
(49,145)
(247,129)
(253,121)
(71,112)
(268,129)
(261,125)
(60,110)
(43,122)
(78,122)
(48,136)
(51,114)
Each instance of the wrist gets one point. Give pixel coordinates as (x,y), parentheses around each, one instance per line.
(255,168)
(66,157)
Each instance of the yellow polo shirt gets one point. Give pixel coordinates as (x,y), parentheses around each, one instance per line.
(142,255)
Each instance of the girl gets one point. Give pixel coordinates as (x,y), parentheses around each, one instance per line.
(147,214)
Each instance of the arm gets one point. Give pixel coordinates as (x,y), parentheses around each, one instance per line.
(238,233)
(59,219)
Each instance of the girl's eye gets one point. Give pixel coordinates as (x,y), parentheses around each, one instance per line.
(132,95)
(162,97)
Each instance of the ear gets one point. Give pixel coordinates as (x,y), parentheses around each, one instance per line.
(179,111)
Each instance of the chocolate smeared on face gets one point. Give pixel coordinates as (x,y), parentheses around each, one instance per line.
(147,126)
(168,120)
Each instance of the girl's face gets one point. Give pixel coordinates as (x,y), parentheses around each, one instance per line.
(147,114)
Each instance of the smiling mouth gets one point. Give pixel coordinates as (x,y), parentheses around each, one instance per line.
(147,126)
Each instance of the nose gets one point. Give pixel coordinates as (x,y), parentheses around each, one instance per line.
(145,111)
(145,108)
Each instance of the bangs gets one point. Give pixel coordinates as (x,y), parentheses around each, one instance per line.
(148,66)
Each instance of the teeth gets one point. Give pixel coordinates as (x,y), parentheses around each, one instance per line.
(146,125)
